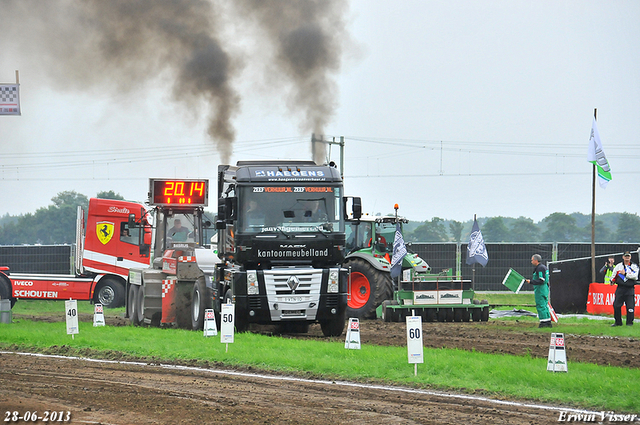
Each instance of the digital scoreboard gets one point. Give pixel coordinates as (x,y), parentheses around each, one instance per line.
(174,192)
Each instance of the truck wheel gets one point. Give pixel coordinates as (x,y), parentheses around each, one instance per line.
(132,304)
(240,322)
(5,290)
(335,326)
(368,288)
(140,305)
(201,299)
(110,293)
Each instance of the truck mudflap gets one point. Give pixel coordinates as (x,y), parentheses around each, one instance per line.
(168,303)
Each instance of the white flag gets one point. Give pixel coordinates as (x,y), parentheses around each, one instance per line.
(596,156)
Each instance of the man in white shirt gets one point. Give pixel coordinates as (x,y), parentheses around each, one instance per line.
(625,275)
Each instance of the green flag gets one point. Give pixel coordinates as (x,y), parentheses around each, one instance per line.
(596,156)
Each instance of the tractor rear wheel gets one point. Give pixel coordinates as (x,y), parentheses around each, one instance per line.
(201,299)
(368,287)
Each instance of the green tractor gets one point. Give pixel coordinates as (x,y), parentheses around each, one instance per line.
(369,251)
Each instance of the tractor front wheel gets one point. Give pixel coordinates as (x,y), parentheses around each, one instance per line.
(368,288)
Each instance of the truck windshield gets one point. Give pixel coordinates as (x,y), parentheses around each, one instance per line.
(290,209)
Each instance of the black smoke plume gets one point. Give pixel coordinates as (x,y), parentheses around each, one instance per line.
(125,44)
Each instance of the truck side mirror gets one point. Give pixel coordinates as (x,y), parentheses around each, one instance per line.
(357,207)
(231,207)
(221,220)
(132,221)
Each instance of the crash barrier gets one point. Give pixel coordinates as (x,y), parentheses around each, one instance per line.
(601,297)
(503,256)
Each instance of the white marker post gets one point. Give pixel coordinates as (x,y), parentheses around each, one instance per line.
(414,341)
(557,361)
(210,328)
(71,307)
(227,325)
(352,341)
(98,315)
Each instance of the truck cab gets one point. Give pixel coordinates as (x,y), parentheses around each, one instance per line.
(281,241)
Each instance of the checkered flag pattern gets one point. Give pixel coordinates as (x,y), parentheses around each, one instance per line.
(9,99)
(166,285)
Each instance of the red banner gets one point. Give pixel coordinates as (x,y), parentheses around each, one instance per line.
(601,296)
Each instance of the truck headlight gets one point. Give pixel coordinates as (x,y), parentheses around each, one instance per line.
(252,283)
(333,286)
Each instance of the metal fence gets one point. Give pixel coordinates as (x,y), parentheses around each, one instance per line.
(503,256)
(58,259)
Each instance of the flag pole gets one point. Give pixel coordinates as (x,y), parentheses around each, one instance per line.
(593,214)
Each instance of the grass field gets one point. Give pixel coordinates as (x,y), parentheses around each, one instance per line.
(522,377)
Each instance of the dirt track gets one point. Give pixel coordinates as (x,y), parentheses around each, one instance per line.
(133,394)
(144,394)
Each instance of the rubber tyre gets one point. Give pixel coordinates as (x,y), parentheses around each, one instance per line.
(442,314)
(430,314)
(485,314)
(201,299)
(369,288)
(457,314)
(386,311)
(109,293)
(466,315)
(240,323)
(140,305)
(449,315)
(476,315)
(132,304)
(5,290)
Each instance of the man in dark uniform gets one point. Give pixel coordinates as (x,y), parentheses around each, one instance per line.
(625,275)
(540,282)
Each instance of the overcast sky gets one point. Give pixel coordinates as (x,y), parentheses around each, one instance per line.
(448,108)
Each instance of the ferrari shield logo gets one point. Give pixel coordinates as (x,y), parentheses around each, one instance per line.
(104,230)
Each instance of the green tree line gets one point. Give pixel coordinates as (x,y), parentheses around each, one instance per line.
(557,227)
(54,224)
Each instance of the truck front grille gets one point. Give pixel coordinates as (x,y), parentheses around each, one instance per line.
(303,298)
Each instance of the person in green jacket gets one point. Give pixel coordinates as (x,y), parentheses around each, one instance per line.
(607,270)
(540,282)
